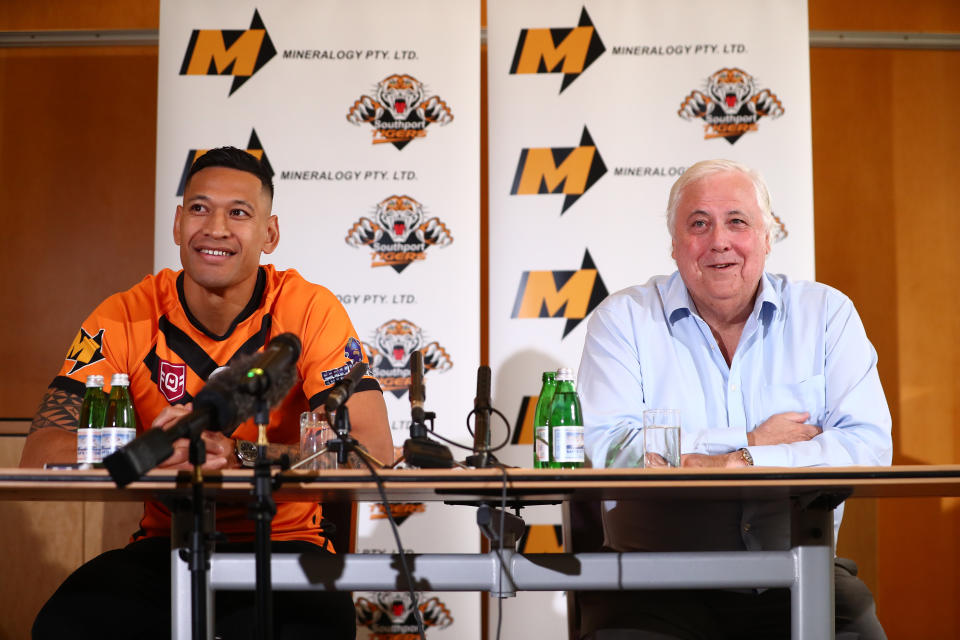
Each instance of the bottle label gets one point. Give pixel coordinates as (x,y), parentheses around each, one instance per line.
(541,444)
(568,444)
(88,445)
(114,438)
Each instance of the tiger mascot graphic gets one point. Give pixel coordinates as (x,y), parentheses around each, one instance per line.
(389,355)
(398,233)
(731,105)
(399,111)
(388,613)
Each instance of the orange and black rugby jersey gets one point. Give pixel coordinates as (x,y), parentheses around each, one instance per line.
(148,333)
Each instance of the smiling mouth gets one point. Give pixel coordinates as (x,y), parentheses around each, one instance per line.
(722,266)
(216,252)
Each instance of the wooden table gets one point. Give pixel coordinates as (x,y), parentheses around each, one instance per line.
(806,568)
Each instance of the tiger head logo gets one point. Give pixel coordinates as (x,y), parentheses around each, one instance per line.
(388,613)
(731,88)
(400,93)
(731,105)
(399,110)
(399,215)
(397,339)
(389,355)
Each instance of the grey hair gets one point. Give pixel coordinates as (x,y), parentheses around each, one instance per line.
(706,168)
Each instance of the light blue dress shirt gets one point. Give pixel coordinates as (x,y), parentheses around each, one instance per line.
(803,348)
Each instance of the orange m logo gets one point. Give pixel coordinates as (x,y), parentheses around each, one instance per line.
(566,50)
(227,52)
(567,170)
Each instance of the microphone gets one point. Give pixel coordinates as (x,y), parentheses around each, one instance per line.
(418,390)
(481,420)
(274,362)
(418,449)
(345,388)
(217,407)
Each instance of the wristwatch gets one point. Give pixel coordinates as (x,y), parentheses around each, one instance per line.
(745,454)
(246,454)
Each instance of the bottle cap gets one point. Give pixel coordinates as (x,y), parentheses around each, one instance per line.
(120,380)
(563,373)
(548,375)
(92,381)
(99,380)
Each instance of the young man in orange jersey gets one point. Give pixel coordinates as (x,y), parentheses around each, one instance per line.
(169,333)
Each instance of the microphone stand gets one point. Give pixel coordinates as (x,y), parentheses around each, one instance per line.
(343,443)
(197,554)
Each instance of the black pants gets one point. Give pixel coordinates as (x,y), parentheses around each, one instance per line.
(125,593)
(721,615)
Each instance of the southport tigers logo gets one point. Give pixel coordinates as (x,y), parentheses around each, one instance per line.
(254,148)
(399,510)
(566,50)
(389,615)
(229,52)
(389,354)
(398,233)
(730,105)
(399,110)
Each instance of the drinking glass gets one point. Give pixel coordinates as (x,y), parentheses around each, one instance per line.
(661,438)
(315,431)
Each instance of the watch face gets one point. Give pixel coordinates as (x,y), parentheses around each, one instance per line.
(247,452)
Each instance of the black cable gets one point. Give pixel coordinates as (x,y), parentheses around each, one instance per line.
(396,535)
(505,442)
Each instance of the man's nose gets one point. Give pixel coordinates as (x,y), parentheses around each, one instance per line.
(719,239)
(217,224)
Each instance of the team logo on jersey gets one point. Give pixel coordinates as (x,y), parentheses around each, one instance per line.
(566,50)
(560,294)
(389,615)
(353,352)
(567,170)
(399,510)
(229,52)
(730,105)
(85,350)
(398,233)
(389,354)
(254,148)
(172,380)
(399,110)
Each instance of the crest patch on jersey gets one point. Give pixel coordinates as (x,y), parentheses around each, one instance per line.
(353,352)
(85,350)
(172,380)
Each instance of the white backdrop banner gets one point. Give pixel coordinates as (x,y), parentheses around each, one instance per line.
(595,108)
(368,115)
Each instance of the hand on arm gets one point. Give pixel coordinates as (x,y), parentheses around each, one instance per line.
(783,428)
(53,433)
(219,448)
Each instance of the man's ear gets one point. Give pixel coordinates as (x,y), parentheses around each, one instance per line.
(273,234)
(176,225)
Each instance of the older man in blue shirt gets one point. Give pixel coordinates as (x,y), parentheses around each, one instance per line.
(765,371)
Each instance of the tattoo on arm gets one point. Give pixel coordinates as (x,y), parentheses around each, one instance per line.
(59,409)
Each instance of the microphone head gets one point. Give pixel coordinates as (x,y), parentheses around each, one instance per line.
(482,399)
(418,391)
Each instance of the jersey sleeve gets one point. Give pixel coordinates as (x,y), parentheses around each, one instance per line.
(331,348)
(100,346)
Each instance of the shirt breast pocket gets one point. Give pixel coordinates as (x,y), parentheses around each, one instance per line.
(807,395)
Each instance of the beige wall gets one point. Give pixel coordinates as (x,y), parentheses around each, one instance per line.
(76,192)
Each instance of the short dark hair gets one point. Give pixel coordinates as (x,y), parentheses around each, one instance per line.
(233,158)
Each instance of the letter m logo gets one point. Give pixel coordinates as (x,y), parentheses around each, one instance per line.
(561,50)
(567,170)
(224,52)
(560,294)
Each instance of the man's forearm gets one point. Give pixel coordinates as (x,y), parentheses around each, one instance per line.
(53,433)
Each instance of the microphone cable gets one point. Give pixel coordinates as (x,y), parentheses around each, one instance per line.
(396,536)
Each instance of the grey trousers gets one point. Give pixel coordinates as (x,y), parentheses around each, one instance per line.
(720,614)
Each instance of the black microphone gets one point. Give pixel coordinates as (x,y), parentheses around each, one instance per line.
(418,390)
(418,449)
(345,388)
(217,407)
(481,420)
(274,362)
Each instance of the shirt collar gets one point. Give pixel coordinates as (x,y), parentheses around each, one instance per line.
(677,302)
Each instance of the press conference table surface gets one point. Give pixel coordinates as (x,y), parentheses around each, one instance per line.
(523,485)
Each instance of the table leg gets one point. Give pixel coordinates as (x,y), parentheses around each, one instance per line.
(811,594)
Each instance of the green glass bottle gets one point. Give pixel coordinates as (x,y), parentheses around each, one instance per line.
(541,421)
(90,427)
(566,424)
(120,426)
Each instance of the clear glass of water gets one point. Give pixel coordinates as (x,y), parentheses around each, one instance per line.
(661,438)
(315,431)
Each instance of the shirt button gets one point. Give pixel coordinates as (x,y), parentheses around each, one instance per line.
(733,387)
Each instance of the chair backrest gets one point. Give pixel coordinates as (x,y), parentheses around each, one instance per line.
(340,525)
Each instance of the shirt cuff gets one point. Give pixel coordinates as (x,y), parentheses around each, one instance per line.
(770,455)
(716,441)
